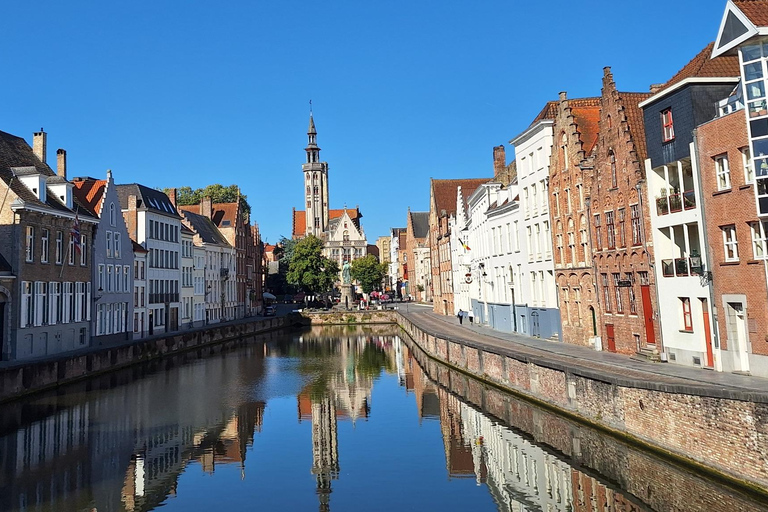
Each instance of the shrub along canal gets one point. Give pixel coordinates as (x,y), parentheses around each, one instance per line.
(328,418)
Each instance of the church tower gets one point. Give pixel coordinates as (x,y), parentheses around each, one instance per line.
(316,185)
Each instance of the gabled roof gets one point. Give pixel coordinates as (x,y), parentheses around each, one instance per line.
(586,112)
(223,215)
(138,248)
(300,219)
(420,224)
(741,21)
(204,228)
(17,158)
(90,192)
(548,112)
(702,66)
(146,198)
(444,192)
(634,115)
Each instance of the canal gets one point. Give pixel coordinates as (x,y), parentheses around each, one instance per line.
(337,419)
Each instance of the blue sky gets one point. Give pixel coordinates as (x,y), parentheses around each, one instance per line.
(191,93)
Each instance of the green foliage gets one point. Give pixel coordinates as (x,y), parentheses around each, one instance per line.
(368,272)
(218,193)
(278,283)
(309,269)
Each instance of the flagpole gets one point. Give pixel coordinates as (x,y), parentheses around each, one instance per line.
(66,257)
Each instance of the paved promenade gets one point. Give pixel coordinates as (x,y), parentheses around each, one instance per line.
(611,367)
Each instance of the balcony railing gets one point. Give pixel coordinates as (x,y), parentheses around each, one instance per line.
(676,202)
(681,267)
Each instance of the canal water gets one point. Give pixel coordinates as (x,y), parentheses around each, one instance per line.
(342,419)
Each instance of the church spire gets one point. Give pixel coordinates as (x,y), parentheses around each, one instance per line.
(316,184)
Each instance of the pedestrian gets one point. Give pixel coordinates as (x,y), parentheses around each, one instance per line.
(471,318)
(461,317)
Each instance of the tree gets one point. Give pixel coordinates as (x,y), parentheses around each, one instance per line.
(218,193)
(278,283)
(368,272)
(309,269)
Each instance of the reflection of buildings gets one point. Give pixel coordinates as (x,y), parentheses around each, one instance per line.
(123,448)
(350,361)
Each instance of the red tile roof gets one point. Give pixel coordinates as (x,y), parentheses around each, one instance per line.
(755,10)
(586,113)
(90,192)
(703,66)
(635,120)
(300,219)
(444,192)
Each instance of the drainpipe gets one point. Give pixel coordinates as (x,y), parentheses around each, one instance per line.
(708,248)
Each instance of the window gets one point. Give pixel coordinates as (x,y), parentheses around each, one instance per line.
(112,221)
(610,230)
(606,293)
(27,305)
(630,276)
(30,249)
(109,278)
(109,244)
(44,247)
(634,211)
(723,172)
(612,160)
(685,309)
(617,292)
(622,237)
(126,273)
(83,251)
(730,244)
(59,247)
(117,245)
(598,233)
(759,241)
(101,278)
(667,128)
(746,162)
(71,249)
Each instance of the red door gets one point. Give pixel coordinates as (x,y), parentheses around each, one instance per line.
(707,333)
(650,335)
(609,338)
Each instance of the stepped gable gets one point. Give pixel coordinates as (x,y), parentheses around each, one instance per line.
(586,112)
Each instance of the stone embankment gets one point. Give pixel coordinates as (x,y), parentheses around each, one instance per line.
(716,430)
(25,377)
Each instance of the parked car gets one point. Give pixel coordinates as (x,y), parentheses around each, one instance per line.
(269,311)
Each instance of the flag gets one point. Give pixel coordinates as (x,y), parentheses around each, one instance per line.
(465,246)
(74,233)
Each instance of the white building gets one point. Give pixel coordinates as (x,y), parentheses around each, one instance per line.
(198,280)
(536,295)
(154,223)
(140,291)
(187,277)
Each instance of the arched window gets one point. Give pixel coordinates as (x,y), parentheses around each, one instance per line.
(612,160)
(564,150)
(112,214)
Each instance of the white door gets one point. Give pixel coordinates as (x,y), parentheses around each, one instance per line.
(737,334)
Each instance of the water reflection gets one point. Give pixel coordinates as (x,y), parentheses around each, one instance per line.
(131,441)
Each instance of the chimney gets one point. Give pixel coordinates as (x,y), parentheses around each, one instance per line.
(132,218)
(499,160)
(61,163)
(172,196)
(563,96)
(656,88)
(206,208)
(131,202)
(40,145)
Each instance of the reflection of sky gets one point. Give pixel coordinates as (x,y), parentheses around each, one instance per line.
(281,379)
(391,462)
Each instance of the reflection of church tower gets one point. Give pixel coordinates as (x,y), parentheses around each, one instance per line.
(316,185)
(325,449)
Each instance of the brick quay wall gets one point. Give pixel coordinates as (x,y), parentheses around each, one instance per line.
(26,377)
(722,432)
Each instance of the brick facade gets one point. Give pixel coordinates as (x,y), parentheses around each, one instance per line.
(575,131)
(742,279)
(621,225)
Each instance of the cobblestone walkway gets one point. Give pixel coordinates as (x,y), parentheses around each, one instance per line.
(611,367)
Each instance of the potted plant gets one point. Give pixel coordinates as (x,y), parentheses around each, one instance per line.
(662,206)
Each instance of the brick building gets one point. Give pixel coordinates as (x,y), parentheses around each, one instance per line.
(417,247)
(442,204)
(737,246)
(575,134)
(618,210)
